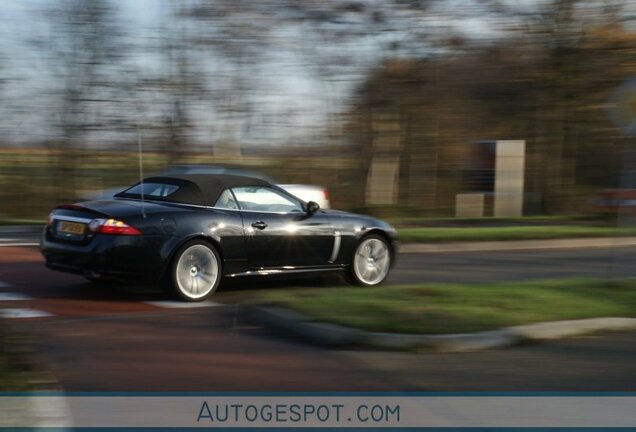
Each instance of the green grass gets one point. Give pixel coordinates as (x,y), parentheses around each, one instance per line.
(436,235)
(439,308)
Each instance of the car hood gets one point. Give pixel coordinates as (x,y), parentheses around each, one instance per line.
(345,214)
(371,221)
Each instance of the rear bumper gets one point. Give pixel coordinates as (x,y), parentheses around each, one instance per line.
(120,257)
(98,272)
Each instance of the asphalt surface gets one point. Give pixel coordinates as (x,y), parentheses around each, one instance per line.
(108,338)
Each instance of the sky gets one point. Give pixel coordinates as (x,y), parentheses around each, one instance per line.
(282,82)
(298,83)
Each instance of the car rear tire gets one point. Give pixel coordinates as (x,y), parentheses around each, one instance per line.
(371,261)
(196,271)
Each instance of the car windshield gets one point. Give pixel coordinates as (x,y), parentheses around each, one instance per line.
(265,199)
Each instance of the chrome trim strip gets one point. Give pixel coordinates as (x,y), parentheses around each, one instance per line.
(280,271)
(71,218)
(260,211)
(336,247)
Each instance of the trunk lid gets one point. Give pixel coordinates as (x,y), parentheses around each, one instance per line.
(70,223)
(121,208)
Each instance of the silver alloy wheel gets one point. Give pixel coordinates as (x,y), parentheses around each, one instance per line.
(372,261)
(197,271)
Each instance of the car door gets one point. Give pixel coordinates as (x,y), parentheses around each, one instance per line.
(279,232)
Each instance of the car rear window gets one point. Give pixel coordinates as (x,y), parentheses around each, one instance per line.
(153,189)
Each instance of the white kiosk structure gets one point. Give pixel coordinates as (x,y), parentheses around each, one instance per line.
(508,188)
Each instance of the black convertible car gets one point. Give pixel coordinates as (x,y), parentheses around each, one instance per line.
(190,230)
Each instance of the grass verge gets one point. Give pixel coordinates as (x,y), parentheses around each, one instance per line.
(438,235)
(440,308)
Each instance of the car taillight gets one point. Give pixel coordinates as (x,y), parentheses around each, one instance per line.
(325,193)
(112,226)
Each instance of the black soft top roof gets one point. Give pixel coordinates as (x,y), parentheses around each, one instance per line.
(199,189)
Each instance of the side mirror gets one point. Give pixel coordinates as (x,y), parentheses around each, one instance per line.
(312,207)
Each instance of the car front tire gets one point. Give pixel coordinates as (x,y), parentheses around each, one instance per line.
(371,261)
(196,271)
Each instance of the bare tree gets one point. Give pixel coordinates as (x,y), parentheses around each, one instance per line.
(81,51)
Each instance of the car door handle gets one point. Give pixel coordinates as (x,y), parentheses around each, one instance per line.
(259,225)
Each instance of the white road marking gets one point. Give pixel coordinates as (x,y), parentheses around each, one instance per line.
(18,244)
(8,239)
(23,313)
(182,304)
(12,296)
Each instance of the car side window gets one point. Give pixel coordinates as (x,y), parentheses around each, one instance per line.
(226,201)
(258,198)
(152,189)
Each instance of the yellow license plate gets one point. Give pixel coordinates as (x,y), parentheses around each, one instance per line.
(71,228)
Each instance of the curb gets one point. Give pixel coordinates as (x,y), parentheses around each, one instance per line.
(298,325)
(510,245)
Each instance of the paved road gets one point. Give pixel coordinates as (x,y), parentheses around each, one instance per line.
(593,363)
(100,338)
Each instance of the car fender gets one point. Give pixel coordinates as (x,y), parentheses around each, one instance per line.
(352,228)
